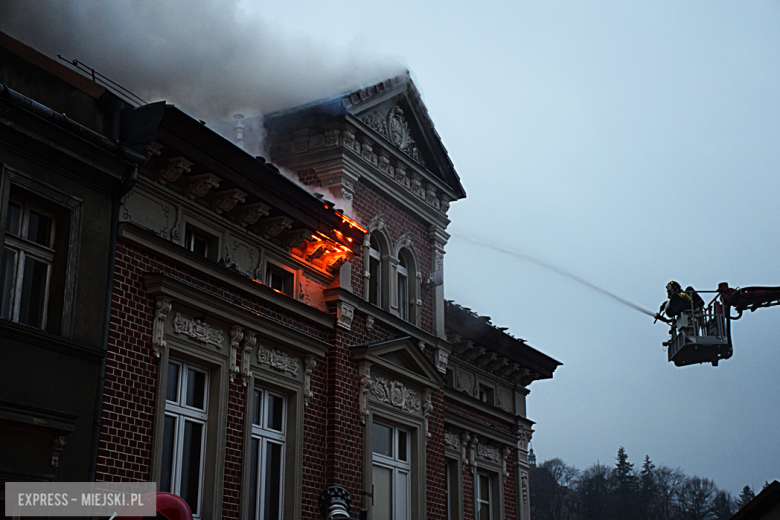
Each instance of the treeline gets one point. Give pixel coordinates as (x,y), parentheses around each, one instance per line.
(620,492)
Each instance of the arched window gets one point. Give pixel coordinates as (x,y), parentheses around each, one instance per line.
(403,288)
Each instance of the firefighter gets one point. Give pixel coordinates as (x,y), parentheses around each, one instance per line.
(679,301)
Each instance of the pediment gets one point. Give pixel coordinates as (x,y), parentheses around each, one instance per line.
(397,115)
(402,357)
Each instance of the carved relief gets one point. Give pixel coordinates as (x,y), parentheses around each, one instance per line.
(244,256)
(464,443)
(369,322)
(200,185)
(504,399)
(427,408)
(395,393)
(364,370)
(251,213)
(394,127)
(401,177)
(465,382)
(489,452)
(236,334)
(296,239)
(171,172)
(452,440)
(249,342)
(441,357)
(309,362)
(226,200)
(152,150)
(505,461)
(345,313)
(331,138)
(524,487)
(162,308)
(473,453)
(278,360)
(524,436)
(59,445)
(271,227)
(149,212)
(198,330)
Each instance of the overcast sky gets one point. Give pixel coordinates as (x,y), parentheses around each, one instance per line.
(629,143)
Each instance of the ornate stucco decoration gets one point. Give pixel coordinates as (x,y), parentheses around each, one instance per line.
(331,137)
(489,452)
(246,356)
(251,213)
(441,357)
(452,440)
(278,360)
(271,227)
(395,394)
(473,452)
(200,185)
(173,170)
(309,362)
(465,382)
(394,127)
(427,408)
(523,436)
(198,330)
(226,200)
(297,239)
(524,487)
(236,334)
(152,149)
(464,444)
(59,445)
(162,308)
(345,313)
(369,322)
(505,461)
(364,371)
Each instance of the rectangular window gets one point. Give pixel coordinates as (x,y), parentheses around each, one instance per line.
(484,497)
(269,420)
(279,279)
(26,269)
(391,472)
(197,242)
(184,435)
(486,394)
(452,489)
(403,293)
(374,277)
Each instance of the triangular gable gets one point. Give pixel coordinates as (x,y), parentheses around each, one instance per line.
(403,358)
(396,113)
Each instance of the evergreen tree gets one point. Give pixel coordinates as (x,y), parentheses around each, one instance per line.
(625,488)
(746,496)
(648,489)
(723,507)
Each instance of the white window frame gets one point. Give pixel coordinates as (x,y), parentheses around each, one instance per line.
(264,436)
(489,500)
(374,282)
(403,291)
(21,248)
(183,414)
(400,470)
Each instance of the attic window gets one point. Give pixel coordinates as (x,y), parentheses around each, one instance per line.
(279,279)
(486,394)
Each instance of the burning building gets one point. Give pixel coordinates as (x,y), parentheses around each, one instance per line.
(268,337)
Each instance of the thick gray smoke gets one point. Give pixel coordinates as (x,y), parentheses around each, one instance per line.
(209,57)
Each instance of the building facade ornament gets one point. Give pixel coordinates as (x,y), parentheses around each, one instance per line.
(473,452)
(369,322)
(309,363)
(427,408)
(58,446)
(464,443)
(394,393)
(236,334)
(364,371)
(452,440)
(198,330)
(200,185)
(344,314)
(394,127)
(441,357)
(297,239)
(524,487)
(271,227)
(251,213)
(489,452)
(505,461)
(152,149)
(226,200)
(250,339)
(523,436)
(331,137)
(278,360)
(173,170)
(162,308)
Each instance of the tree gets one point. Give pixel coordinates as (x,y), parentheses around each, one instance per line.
(668,482)
(696,500)
(625,488)
(595,492)
(558,501)
(648,488)
(746,496)
(723,507)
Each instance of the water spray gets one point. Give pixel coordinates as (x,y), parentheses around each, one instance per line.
(558,270)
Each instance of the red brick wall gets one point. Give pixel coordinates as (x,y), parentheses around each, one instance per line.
(234,448)
(435,484)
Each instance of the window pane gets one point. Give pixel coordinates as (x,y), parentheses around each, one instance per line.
(383,491)
(253,503)
(169,434)
(275,419)
(402,445)
(39,229)
(382,439)
(273,481)
(12,221)
(172,392)
(33,293)
(196,389)
(190,464)
(402,495)
(257,406)
(7,279)
(374,281)
(200,245)
(403,297)
(484,511)
(484,487)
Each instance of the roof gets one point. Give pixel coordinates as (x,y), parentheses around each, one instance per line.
(764,506)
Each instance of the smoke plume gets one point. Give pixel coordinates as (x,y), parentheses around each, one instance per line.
(210,57)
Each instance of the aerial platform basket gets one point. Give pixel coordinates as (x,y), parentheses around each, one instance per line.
(700,336)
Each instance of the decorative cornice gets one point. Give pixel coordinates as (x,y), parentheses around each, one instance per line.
(271,227)
(173,170)
(198,330)
(162,308)
(200,185)
(251,213)
(395,394)
(226,200)
(278,360)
